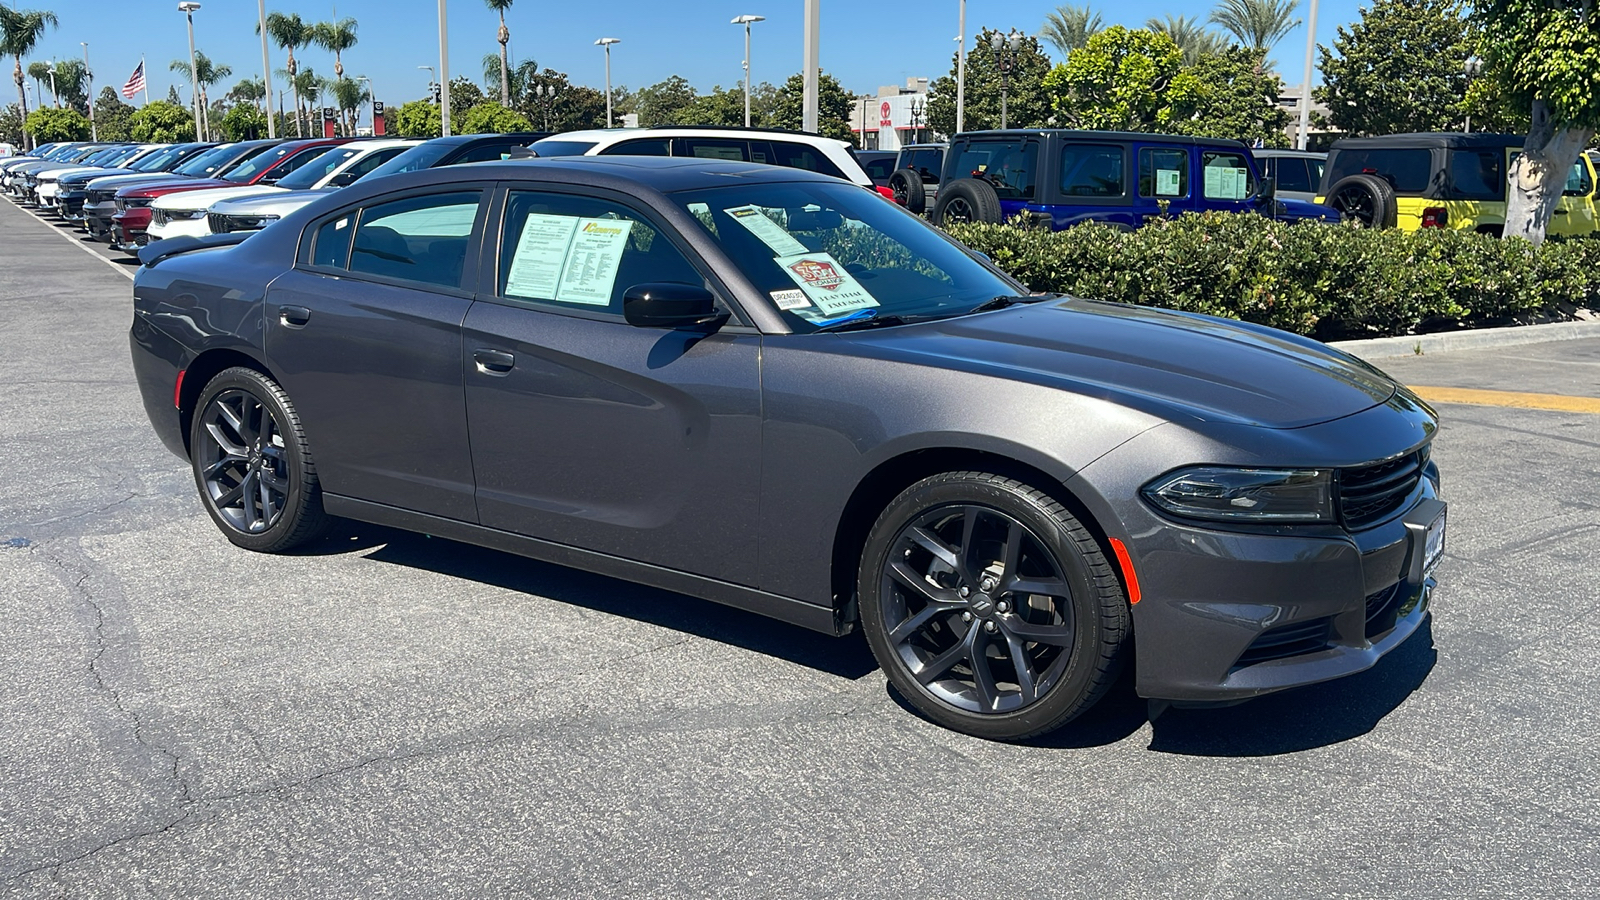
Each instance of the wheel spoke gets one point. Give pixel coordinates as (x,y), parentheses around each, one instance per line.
(216,468)
(982,676)
(1013,551)
(941,664)
(232,495)
(914,580)
(232,418)
(234,451)
(912,625)
(247,498)
(970,566)
(1049,587)
(1019,660)
(264,495)
(270,478)
(930,542)
(1055,635)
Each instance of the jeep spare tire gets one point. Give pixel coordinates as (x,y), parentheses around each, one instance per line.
(967,200)
(1364,199)
(909,190)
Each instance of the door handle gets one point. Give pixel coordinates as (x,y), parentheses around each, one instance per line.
(293,316)
(494,362)
(1561,212)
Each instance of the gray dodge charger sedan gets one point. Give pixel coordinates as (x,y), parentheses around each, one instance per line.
(778,391)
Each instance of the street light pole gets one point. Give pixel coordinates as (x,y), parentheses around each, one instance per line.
(961,71)
(372,97)
(187,7)
(606,42)
(1001,43)
(812,77)
(94,130)
(444,74)
(1473,66)
(266,68)
(746,21)
(1305,86)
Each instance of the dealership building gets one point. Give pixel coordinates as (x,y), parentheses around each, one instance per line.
(896,117)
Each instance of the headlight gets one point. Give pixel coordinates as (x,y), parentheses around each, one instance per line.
(1246,495)
(138,202)
(185,215)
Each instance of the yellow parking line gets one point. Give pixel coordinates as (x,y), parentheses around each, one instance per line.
(1517,399)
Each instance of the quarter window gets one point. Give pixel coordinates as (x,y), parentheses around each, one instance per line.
(1293,175)
(1227,175)
(801,156)
(1477,174)
(1008,166)
(641,147)
(332,245)
(1092,170)
(1406,170)
(1163,173)
(582,253)
(734,151)
(422,239)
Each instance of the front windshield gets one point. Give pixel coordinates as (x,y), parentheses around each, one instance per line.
(554,147)
(307,176)
(420,157)
(158,161)
(827,254)
(255,165)
(207,162)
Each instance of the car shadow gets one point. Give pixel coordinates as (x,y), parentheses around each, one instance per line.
(847,657)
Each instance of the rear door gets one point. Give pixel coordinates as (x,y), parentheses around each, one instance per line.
(1093,183)
(1227,181)
(1166,176)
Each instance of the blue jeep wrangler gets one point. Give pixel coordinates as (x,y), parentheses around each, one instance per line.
(1057,179)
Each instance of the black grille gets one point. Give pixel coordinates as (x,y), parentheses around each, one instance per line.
(99,196)
(1290,640)
(219,223)
(1369,494)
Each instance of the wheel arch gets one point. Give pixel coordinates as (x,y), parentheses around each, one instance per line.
(199,373)
(885,481)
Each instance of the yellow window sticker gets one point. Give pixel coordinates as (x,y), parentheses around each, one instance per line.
(767,231)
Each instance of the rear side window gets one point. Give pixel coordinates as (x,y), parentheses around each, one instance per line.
(702,148)
(927,163)
(1293,174)
(494,150)
(802,156)
(421,239)
(1092,170)
(880,168)
(1406,170)
(331,247)
(642,147)
(1478,174)
(1009,166)
(1163,173)
(1227,175)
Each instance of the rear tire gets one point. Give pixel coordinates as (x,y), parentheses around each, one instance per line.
(990,607)
(909,191)
(1364,199)
(967,200)
(252,466)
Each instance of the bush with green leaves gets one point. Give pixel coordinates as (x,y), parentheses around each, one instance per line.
(161,122)
(417,119)
(1329,282)
(48,124)
(244,122)
(492,118)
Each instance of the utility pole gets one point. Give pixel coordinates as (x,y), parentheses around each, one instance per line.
(813,37)
(746,21)
(187,8)
(94,130)
(1305,86)
(961,70)
(444,74)
(266,68)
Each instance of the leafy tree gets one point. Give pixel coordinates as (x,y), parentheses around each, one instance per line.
(1258,24)
(464,95)
(834,106)
(173,97)
(348,95)
(1028,106)
(244,122)
(1118,81)
(1070,27)
(11,125)
(1227,95)
(551,102)
(489,117)
(20,31)
(1191,36)
(726,107)
(336,36)
(111,116)
(504,37)
(290,33)
(1543,56)
(248,90)
(161,122)
(1397,70)
(664,103)
(48,124)
(417,119)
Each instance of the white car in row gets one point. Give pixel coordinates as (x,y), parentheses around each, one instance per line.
(185,212)
(48,181)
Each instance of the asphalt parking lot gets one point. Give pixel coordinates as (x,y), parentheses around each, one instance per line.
(391,715)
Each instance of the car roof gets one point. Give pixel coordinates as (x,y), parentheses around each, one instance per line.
(462,140)
(1430,140)
(1144,137)
(602,135)
(1276,153)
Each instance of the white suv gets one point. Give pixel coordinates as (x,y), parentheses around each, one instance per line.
(794,149)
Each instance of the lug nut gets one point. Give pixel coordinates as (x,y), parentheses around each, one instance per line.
(1003,606)
(966,617)
(989,627)
(987,585)
(965,592)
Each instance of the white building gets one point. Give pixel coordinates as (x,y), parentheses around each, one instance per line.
(897,116)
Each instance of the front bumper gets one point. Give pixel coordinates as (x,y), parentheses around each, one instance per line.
(97,218)
(129,229)
(171,228)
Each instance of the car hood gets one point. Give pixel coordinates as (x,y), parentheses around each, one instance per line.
(204,199)
(1208,368)
(89,175)
(279,204)
(162,188)
(58,174)
(142,178)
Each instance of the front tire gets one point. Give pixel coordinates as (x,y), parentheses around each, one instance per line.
(252,466)
(990,607)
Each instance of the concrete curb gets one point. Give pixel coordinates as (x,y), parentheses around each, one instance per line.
(1482,338)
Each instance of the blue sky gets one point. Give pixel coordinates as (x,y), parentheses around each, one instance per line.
(863,44)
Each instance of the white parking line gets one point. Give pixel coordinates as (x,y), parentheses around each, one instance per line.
(120,270)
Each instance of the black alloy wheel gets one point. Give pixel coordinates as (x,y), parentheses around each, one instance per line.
(958,211)
(251,464)
(990,607)
(1354,202)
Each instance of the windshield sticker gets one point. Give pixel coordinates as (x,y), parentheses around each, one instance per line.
(1167,183)
(790,299)
(826,283)
(1226,182)
(541,253)
(592,262)
(767,231)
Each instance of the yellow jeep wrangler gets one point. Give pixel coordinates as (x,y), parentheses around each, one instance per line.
(1442,180)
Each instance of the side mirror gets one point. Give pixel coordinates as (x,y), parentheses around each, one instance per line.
(1268,191)
(343,179)
(670,304)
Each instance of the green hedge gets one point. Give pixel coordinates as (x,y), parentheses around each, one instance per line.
(1330,282)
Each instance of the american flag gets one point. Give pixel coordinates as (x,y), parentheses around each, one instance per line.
(135,82)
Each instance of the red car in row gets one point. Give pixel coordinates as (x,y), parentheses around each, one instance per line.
(132,219)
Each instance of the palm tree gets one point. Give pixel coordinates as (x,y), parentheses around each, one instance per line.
(206,73)
(1258,24)
(336,36)
(517,81)
(309,86)
(1190,36)
(40,72)
(348,94)
(20,31)
(504,37)
(249,90)
(1070,27)
(290,33)
(72,80)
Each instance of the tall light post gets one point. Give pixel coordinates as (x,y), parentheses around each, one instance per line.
(812,78)
(1002,43)
(961,70)
(266,66)
(606,43)
(373,99)
(431,82)
(545,95)
(187,7)
(747,21)
(1305,86)
(94,130)
(53,92)
(1471,68)
(444,75)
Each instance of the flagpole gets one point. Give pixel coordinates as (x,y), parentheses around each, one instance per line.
(146,80)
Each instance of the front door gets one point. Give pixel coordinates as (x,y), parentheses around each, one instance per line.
(642,443)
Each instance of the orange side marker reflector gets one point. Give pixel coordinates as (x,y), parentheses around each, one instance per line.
(1126,563)
(177,390)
